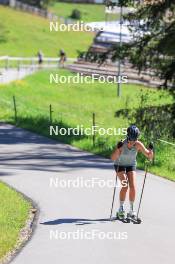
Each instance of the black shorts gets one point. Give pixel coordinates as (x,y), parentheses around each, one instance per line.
(124,168)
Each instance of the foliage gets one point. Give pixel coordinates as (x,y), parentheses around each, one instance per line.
(154,38)
(154,121)
(154,46)
(76,14)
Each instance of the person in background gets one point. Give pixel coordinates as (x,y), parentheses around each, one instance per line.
(62,56)
(40,57)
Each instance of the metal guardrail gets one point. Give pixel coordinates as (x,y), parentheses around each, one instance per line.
(7,62)
(32,58)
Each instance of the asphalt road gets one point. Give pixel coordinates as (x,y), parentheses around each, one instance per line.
(7,76)
(73,224)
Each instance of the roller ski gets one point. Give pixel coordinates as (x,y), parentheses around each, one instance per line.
(132,217)
(120,215)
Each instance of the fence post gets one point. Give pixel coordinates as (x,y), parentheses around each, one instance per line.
(15,108)
(50,113)
(93,124)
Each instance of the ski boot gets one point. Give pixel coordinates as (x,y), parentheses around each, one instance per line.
(120,215)
(131,217)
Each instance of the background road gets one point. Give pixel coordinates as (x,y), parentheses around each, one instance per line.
(29,162)
(7,76)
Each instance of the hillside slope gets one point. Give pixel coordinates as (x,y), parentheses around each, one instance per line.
(23,34)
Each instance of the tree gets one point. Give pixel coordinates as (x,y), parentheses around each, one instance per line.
(154,47)
(154,38)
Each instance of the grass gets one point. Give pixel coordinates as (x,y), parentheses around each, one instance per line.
(23,34)
(14,212)
(74,104)
(89,12)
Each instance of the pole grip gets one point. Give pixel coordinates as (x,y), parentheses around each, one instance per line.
(151,146)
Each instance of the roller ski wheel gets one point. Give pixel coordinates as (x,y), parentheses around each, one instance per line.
(132,218)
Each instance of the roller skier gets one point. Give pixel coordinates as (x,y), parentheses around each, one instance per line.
(124,157)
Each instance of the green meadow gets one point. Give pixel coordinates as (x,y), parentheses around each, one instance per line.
(23,34)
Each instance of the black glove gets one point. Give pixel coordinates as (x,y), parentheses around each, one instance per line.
(120,144)
(151,146)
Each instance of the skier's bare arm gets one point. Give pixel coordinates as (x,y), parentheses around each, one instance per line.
(147,152)
(116,153)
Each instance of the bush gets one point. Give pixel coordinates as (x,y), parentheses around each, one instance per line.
(76,14)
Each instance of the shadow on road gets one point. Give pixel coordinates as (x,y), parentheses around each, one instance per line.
(77,221)
(23,150)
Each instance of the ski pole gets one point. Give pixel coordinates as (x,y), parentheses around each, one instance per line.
(119,145)
(114,194)
(151,146)
(146,171)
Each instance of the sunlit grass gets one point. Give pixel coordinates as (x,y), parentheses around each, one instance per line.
(14,211)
